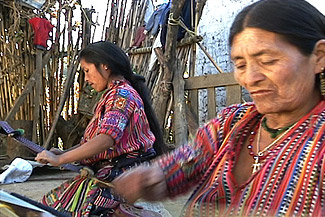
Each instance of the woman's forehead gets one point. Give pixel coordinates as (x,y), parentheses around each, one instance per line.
(84,62)
(255,41)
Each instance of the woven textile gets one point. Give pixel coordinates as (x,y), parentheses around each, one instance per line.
(290,182)
(120,114)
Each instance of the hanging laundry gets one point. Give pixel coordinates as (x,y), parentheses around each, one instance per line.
(42,28)
(155,20)
(156,3)
(186,17)
(149,11)
(153,56)
(139,37)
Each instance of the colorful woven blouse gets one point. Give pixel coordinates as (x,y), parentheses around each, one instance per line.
(120,114)
(290,182)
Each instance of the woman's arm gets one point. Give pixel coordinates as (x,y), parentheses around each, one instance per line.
(147,182)
(92,147)
(58,151)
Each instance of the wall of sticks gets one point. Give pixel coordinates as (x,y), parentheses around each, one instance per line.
(36,82)
(46,86)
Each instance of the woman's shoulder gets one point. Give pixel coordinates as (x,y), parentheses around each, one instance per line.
(121,89)
(238,108)
(233,113)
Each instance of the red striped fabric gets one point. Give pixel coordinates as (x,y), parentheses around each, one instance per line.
(120,114)
(291,181)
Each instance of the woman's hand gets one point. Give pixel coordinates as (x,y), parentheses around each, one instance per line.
(56,151)
(147,182)
(45,157)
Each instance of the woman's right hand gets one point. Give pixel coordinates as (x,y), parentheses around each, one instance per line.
(46,157)
(56,151)
(147,182)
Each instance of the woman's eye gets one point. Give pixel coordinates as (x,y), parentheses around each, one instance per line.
(268,62)
(240,66)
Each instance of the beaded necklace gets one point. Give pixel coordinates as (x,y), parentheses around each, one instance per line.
(274,132)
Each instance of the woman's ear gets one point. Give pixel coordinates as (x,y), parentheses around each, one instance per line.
(105,67)
(319,52)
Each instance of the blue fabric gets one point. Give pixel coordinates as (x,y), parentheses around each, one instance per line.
(155,19)
(186,18)
(149,11)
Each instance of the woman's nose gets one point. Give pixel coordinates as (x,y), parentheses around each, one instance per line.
(253,74)
(86,78)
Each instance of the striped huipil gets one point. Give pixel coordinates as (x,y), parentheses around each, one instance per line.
(120,114)
(290,182)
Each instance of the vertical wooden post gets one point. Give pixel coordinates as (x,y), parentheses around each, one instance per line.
(180,122)
(163,93)
(38,92)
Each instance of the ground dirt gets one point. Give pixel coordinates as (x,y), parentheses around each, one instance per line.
(43,180)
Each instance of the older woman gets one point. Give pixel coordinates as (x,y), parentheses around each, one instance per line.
(265,158)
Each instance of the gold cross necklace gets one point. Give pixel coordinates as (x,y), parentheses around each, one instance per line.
(257,165)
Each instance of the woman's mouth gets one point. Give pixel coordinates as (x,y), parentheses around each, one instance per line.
(260,93)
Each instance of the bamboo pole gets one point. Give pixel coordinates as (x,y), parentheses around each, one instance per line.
(2,102)
(21,81)
(210,58)
(105,19)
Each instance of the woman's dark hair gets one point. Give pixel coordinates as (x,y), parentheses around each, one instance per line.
(107,53)
(297,21)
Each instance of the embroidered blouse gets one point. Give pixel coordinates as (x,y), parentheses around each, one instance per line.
(120,114)
(290,182)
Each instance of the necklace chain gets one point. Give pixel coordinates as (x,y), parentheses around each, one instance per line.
(256,165)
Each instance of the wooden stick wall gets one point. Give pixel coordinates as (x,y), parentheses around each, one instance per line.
(18,57)
(123,18)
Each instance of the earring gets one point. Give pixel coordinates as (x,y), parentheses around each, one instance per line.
(322,82)
(106,68)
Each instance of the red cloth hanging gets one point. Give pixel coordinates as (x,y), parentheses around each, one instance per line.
(139,37)
(42,28)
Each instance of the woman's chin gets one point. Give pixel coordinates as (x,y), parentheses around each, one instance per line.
(265,108)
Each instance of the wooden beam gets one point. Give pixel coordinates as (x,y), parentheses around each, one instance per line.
(194,97)
(192,121)
(160,103)
(207,81)
(184,42)
(210,58)
(28,88)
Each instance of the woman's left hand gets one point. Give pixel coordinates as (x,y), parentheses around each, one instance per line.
(45,157)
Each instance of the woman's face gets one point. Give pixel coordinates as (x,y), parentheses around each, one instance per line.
(277,75)
(97,80)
